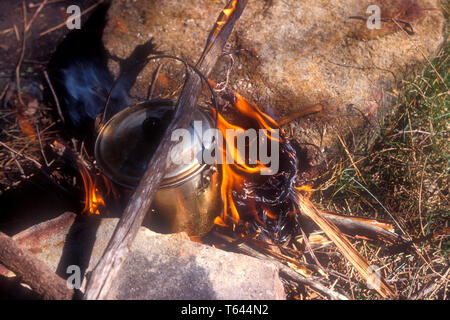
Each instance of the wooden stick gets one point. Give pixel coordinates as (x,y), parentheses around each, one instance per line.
(126,230)
(32,271)
(22,54)
(286,271)
(364,227)
(55,97)
(41,6)
(350,253)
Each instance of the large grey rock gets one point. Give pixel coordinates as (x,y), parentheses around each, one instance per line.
(302,53)
(159,266)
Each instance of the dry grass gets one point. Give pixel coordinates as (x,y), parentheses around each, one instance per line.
(24,133)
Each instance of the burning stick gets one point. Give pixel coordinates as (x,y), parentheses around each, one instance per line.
(119,246)
(349,252)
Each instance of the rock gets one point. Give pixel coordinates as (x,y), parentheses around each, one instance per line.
(159,266)
(299,53)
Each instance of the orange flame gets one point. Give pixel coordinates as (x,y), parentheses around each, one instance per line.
(93,198)
(229,11)
(233,173)
(224,17)
(305,188)
(236,173)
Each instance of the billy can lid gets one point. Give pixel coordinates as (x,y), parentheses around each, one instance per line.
(128,140)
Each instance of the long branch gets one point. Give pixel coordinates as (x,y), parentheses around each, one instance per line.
(32,271)
(119,246)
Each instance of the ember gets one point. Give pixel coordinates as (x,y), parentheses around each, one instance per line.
(94,201)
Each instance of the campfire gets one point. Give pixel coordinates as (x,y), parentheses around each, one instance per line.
(207,162)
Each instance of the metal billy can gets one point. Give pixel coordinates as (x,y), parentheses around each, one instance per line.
(188,198)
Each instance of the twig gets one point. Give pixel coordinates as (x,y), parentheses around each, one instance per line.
(42,149)
(300,267)
(3,94)
(22,54)
(55,97)
(16,31)
(410,131)
(22,155)
(350,157)
(432,287)
(420,196)
(227,77)
(358,226)
(6,30)
(310,250)
(154,80)
(408,27)
(32,5)
(28,26)
(13,156)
